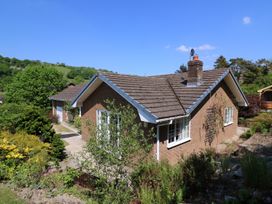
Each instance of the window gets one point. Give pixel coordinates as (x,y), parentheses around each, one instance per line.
(178,132)
(228,116)
(108,124)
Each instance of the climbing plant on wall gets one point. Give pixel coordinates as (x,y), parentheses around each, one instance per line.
(214,120)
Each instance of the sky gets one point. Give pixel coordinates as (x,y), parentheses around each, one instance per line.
(143,37)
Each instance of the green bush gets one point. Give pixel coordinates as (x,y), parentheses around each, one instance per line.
(27,174)
(69,177)
(255,172)
(158,182)
(58,148)
(247,134)
(20,117)
(198,170)
(22,157)
(77,122)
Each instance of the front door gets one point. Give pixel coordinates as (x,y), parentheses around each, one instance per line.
(59,114)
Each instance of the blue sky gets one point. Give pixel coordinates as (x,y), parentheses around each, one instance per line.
(141,37)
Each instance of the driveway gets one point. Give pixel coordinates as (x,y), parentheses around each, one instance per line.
(72,139)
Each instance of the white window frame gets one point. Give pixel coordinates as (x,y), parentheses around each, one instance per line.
(184,133)
(99,123)
(228,116)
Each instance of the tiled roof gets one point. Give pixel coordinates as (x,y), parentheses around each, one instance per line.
(68,94)
(165,95)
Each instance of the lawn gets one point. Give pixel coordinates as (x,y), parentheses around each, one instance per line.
(7,196)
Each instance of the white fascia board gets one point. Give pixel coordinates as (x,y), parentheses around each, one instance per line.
(172,118)
(245,101)
(83,91)
(144,114)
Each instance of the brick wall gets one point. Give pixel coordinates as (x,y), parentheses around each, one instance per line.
(97,102)
(197,131)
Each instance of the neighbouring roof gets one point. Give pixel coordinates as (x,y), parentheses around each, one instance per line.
(265,88)
(163,96)
(68,94)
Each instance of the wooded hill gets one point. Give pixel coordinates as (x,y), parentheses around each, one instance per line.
(11,66)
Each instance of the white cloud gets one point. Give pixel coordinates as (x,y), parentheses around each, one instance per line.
(246,20)
(205,47)
(167,46)
(184,48)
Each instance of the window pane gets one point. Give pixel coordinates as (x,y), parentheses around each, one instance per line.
(171,132)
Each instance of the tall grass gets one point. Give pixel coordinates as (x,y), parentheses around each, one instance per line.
(256,172)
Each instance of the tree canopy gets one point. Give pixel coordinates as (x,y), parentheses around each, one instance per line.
(221,62)
(34,85)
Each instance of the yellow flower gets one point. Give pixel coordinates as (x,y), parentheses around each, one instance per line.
(27,150)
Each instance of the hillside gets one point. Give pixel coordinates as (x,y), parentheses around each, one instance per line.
(10,66)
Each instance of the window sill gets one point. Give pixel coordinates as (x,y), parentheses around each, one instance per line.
(227,124)
(173,144)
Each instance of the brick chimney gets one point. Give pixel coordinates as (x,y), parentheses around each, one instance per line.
(195,72)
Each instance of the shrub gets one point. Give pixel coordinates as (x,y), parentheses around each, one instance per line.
(58,147)
(253,109)
(158,182)
(247,134)
(256,172)
(69,177)
(27,174)
(198,170)
(23,157)
(77,122)
(20,117)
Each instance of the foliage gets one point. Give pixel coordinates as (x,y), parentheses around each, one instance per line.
(221,62)
(81,73)
(7,196)
(213,118)
(158,182)
(261,123)
(113,150)
(247,134)
(9,67)
(31,119)
(198,170)
(27,174)
(69,176)
(23,157)
(60,180)
(253,109)
(58,147)
(256,172)
(34,86)
(77,122)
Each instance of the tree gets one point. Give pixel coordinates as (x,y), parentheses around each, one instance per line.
(32,120)
(182,68)
(221,62)
(115,146)
(34,85)
(245,70)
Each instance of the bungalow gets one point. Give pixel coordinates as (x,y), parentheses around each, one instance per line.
(62,100)
(180,107)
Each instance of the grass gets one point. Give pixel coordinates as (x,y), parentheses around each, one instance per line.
(60,128)
(7,196)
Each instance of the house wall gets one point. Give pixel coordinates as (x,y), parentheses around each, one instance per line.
(97,102)
(222,96)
